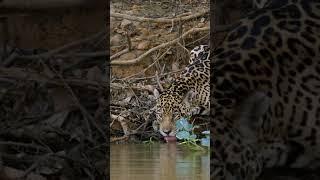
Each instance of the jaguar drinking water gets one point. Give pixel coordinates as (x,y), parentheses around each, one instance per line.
(193,81)
(265,92)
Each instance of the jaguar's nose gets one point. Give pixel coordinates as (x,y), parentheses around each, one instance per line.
(167,131)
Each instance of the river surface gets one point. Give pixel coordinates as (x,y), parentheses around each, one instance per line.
(167,161)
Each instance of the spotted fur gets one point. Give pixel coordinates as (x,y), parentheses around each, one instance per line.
(201,52)
(266,92)
(188,95)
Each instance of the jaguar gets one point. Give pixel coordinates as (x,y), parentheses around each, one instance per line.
(265,92)
(187,95)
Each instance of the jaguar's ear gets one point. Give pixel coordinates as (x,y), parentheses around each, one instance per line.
(189,97)
(155,125)
(156,93)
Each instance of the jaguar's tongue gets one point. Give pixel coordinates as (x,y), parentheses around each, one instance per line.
(170,139)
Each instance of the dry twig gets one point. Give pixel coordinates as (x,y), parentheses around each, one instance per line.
(158,20)
(148,88)
(138,59)
(119,54)
(123,123)
(153,63)
(20,74)
(33,146)
(158,81)
(129,48)
(85,113)
(64,47)
(40,4)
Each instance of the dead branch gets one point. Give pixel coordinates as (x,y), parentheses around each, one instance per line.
(10,58)
(129,48)
(158,81)
(76,102)
(83,54)
(119,54)
(33,146)
(123,123)
(158,20)
(84,112)
(65,47)
(40,4)
(152,77)
(153,63)
(35,165)
(10,173)
(148,88)
(138,59)
(12,74)
(114,139)
(129,41)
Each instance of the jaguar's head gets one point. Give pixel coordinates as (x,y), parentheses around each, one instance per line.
(167,110)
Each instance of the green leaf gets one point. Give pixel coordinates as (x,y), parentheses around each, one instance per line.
(182,124)
(205,142)
(206,132)
(183,135)
(193,137)
(188,127)
(196,126)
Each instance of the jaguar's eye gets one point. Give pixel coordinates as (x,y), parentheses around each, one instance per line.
(176,115)
(159,116)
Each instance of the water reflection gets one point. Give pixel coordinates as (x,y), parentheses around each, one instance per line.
(158,162)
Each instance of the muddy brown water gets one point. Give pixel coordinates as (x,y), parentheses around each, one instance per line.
(167,161)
